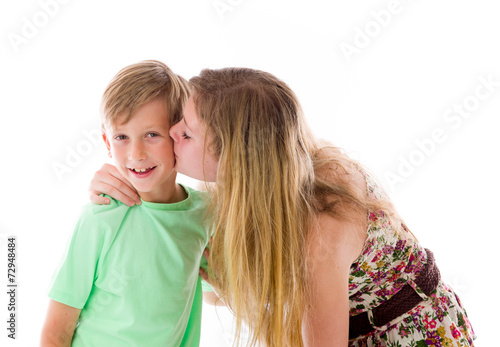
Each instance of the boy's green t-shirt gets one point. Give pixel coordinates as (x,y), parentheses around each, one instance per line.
(134,273)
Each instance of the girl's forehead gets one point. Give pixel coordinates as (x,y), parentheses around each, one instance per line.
(190,119)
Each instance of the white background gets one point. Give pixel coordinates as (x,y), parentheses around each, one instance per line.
(376,103)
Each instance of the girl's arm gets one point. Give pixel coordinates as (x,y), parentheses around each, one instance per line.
(332,247)
(109,181)
(211,298)
(59,325)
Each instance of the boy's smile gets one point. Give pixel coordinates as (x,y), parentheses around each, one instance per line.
(143,152)
(142,172)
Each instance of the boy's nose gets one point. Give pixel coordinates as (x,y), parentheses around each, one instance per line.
(137,152)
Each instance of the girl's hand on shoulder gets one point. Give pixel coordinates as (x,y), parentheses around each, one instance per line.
(108,180)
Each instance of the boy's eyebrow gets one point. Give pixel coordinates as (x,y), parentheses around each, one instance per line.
(150,126)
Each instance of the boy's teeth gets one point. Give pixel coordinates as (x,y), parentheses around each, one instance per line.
(140,170)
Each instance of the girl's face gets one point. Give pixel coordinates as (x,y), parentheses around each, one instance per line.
(189,145)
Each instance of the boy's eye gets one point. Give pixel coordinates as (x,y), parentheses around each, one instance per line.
(120,137)
(152,135)
(185,136)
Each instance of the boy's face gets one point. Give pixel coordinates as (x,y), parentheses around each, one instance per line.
(143,151)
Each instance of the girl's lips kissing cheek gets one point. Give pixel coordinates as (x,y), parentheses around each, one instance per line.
(142,172)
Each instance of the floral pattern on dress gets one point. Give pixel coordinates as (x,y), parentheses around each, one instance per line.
(391,258)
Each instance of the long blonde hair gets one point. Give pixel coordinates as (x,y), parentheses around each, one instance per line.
(273,178)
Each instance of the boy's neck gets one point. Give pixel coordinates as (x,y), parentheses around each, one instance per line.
(168,195)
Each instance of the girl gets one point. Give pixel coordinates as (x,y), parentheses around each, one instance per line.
(306,248)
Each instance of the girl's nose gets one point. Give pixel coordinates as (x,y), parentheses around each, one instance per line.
(174,133)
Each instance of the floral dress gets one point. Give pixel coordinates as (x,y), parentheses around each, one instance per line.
(391,258)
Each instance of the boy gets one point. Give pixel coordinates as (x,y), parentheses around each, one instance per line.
(130,276)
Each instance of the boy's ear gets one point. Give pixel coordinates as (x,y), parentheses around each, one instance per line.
(106,141)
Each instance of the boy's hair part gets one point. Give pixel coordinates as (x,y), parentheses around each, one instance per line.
(139,84)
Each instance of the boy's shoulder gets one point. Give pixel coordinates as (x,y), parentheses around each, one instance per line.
(195,193)
(98,223)
(113,205)
(115,211)
(199,198)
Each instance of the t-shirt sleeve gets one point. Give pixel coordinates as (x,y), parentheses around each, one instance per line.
(75,277)
(204,285)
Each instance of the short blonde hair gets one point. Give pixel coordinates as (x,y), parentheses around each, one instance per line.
(138,84)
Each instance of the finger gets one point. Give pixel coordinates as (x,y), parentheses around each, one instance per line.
(109,181)
(115,173)
(99,200)
(206,254)
(205,276)
(115,193)
(109,174)
(120,190)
